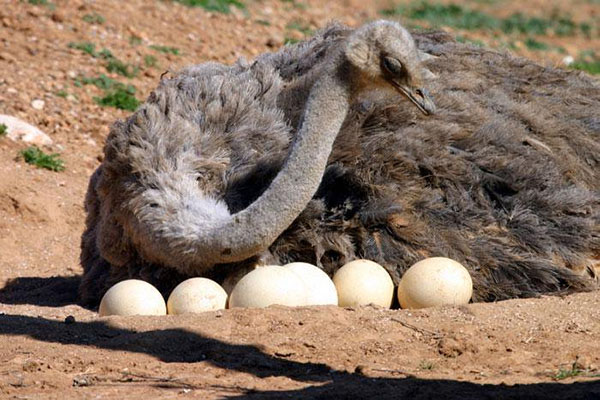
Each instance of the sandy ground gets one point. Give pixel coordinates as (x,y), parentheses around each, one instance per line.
(535,348)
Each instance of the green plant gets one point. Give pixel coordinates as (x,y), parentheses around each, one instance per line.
(558,23)
(116,94)
(86,47)
(295,4)
(35,156)
(289,40)
(94,18)
(476,42)
(445,15)
(592,67)
(587,61)
(102,82)
(121,97)
(121,68)
(3,129)
(62,93)
(519,23)
(300,27)
(457,16)
(113,64)
(150,61)
(533,44)
(134,40)
(574,370)
(589,67)
(586,29)
(165,49)
(105,54)
(44,3)
(222,6)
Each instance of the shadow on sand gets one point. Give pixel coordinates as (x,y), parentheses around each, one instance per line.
(55,291)
(328,383)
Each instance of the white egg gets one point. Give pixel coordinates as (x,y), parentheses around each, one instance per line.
(362,282)
(268,285)
(196,295)
(132,297)
(433,282)
(235,275)
(320,289)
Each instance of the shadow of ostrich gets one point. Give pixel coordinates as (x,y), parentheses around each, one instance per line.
(323,382)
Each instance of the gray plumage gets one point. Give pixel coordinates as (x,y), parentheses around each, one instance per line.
(504,177)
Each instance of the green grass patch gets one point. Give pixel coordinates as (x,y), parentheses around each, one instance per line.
(62,93)
(94,18)
(3,129)
(289,40)
(567,373)
(296,4)
(222,6)
(117,66)
(105,54)
(533,44)
(574,370)
(520,23)
(476,42)
(457,16)
(150,61)
(90,49)
(300,27)
(116,94)
(113,64)
(102,82)
(592,67)
(587,61)
(121,97)
(165,49)
(86,47)
(445,15)
(35,156)
(134,40)
(41,3)
(296,26)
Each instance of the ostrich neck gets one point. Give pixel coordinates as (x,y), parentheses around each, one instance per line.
(253,229)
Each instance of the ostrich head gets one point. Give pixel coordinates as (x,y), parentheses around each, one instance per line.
(384,53)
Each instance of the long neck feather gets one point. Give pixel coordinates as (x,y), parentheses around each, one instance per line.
(203,234)
(256,227)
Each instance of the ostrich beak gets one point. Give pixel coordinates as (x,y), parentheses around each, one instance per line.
(420,97)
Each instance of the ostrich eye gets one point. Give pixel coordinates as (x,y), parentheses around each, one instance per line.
(392,65)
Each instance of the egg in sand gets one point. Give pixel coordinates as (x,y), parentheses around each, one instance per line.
(132,297)
(433,282)
(362,282)
(268,285)
(319,288)
(196,295)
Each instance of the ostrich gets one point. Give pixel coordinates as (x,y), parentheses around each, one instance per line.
(327,151)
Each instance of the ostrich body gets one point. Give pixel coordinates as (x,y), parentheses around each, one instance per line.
(219,168)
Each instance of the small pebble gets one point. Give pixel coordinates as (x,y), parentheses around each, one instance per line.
(568,60)
(38,104)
